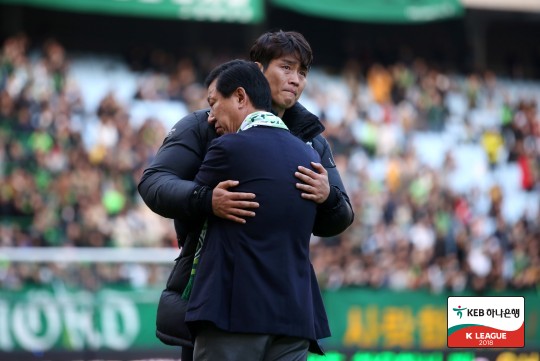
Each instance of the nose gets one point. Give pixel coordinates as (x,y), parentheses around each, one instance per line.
(294,78)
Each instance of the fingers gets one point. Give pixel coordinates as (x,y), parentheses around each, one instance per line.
(242,207)
(234,206)
(311,197)
(227,184)
(303,177)
(319,168)
(238,215)
(238,218)
(315,185)
(223,190)
(235,219)
(238,196)
(309,192)
(305,173)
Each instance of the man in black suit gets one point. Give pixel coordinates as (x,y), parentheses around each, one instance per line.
(252,296)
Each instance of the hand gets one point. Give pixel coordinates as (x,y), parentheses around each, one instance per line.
(232,205)
(315,186)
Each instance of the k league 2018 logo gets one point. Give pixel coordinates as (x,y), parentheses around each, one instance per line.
(486,322)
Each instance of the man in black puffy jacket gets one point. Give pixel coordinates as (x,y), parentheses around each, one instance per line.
(168,189)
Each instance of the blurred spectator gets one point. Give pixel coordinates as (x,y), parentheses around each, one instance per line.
(442,170)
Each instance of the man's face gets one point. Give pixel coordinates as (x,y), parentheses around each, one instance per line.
(287,78)
(224,114)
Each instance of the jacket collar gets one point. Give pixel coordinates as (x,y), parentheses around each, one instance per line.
(302,123)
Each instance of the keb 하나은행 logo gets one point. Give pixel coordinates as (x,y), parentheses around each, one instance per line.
(486,322)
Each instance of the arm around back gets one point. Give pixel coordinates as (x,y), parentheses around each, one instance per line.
(335,215)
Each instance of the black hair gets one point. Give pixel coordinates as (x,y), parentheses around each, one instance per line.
(274,44)
(245,74)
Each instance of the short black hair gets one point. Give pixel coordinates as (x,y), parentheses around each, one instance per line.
(245,74)
(274,44)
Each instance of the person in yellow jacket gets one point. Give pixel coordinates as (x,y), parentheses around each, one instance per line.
(493,143)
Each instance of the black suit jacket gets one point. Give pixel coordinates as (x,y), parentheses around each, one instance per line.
(167,187)
(257,277)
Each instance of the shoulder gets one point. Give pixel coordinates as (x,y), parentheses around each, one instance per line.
(194,122)
(321,146)
(320,143)
(226,141)
(302,123)
(254,137)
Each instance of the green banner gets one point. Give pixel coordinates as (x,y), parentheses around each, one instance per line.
(382,319)
(241,11)
(363,322)
(387,11)
(73,320)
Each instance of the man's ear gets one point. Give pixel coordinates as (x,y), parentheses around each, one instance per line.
(241,97)
(261,67)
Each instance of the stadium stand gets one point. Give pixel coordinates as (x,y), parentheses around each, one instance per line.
(442,168)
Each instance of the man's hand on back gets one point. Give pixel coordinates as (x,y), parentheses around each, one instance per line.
(234,206)
(315,186)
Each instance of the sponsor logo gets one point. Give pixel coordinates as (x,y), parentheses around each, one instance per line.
(486,322)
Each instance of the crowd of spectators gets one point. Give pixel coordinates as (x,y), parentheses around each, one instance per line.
(434,222)
(431,211)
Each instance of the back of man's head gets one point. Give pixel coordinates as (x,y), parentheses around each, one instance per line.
(273,45)
(239,73)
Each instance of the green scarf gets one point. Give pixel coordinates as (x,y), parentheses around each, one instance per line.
(262,118)
(252,120)
(200,242)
